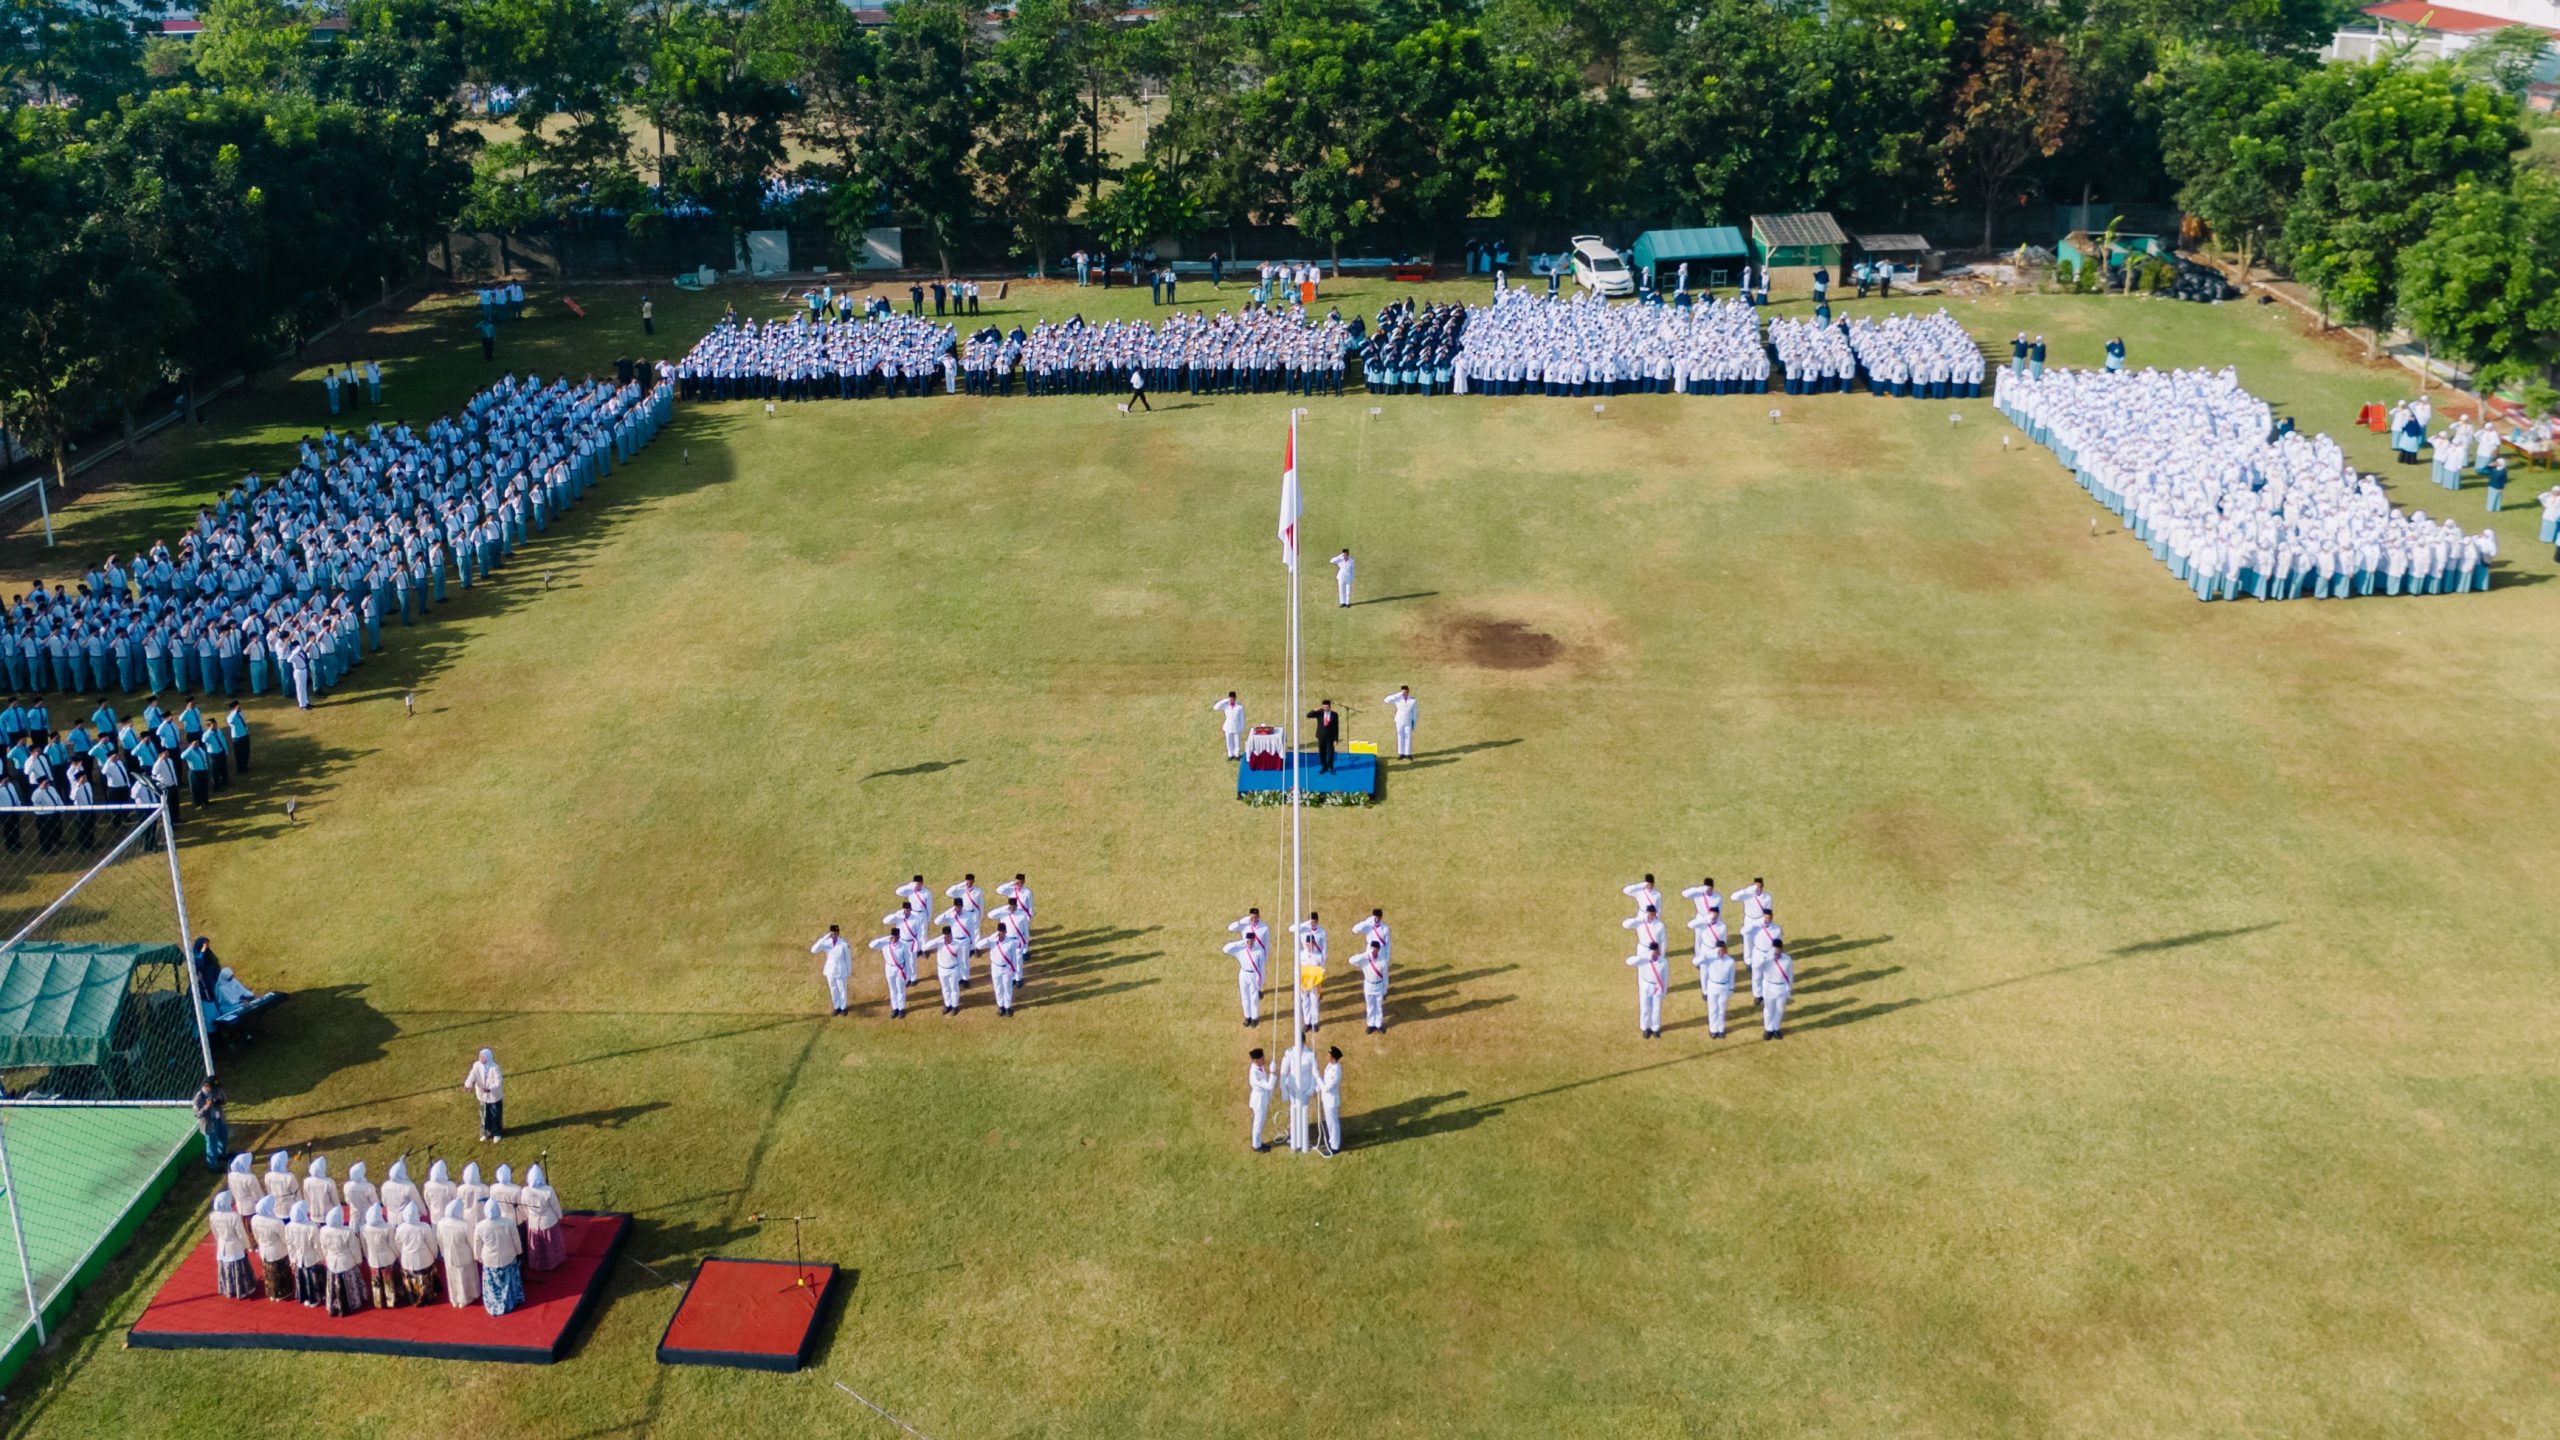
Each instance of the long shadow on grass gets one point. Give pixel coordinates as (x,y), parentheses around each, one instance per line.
(1452,755)
(2197,937)
(1038,995)
(1423,993)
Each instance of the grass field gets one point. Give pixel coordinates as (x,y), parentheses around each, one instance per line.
(2171,1052)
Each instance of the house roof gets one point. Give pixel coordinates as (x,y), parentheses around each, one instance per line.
(2440,18)
(1794,231)
(1895,241)
(1708,241)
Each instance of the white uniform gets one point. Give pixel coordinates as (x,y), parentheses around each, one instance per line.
(1233,725)
(1342,578)
(918,894)
(1329,1091)
(1373,980)
(1298,1081)
(1715,970)
(897,968)
(1019,893)
(1258,1081)
(969,898)
(1251,925)
(1248,952)
(1649,930)
(1644,894)
(963,924)
(950,958)
(1404,704)
(1777,982)
(1651,979)
(837,967)
(1004,966)
(1709,903)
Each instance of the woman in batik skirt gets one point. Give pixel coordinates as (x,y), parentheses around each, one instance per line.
(381,1256)
(501,1261)
(234,1278)
(275,1262)
(416,1241)
(342,1255)
(545,1246)
(302,1247)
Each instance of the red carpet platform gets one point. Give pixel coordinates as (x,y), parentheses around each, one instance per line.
(188,1315)
(748,1315)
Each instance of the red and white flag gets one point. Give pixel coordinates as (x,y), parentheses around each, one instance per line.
(1289,502)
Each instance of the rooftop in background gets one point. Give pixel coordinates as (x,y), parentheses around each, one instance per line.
(1895,241)
(1793,231)
(2494,15)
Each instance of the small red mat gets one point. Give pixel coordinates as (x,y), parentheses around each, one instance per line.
(188,1314)
(748,1314)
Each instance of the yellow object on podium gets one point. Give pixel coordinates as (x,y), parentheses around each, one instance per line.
(1361,747)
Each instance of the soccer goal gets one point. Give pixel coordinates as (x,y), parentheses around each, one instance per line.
(18,495)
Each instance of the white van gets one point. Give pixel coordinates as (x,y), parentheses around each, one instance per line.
(1597,267)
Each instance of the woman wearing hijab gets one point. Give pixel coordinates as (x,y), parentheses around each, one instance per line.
(358,1194)
(461,1261)
(242,1182)
(280,1181)
(398,1193)
(419,1258)
(381,1257)
(473,1192)
(501,1261)
(439,1190)
(234,1278)
(302,1247)
(544,1246)
(342,1256)
(489,1087)
(318,1190)
(275,1260)
(503,1191)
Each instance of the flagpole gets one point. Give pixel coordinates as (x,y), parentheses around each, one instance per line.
(1297,798)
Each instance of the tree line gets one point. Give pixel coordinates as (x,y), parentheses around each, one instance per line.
(177,209)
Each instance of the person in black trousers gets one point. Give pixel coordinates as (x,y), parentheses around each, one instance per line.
(1328,733)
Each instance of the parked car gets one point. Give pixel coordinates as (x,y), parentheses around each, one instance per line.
(1597,267)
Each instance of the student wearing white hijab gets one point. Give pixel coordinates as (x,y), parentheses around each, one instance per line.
(545,1248)
(234,1278)
(472,1192)
(342,1256)
(415,1240)
(275,1261)
(438,1192)
(242,1181)
(501,1258)
(489,1087)
(281,1185)
(381,1257)
(318,1190)
(398,1193)
(302,1248)
(461,1258)
(504,1191)
(358,1194)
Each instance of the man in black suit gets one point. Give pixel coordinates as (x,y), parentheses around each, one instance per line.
(1328,733)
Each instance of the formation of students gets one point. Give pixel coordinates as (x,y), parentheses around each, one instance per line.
(1931,357)
(915,933)
(887,355)
(350,1246)
(152,757)
(1764,954)
(1528,343)
(289,581)
(1255,351)
(2234,504)
(1311,1089)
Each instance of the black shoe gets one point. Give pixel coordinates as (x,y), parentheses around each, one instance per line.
(1261,1149)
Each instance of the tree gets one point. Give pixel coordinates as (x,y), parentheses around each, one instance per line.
(1198,52)
(1541,122)
(1037,148)
(724,103)
(1438,138)
(254,44)
(1145,204)
(78,53)
(2226,141)
(2506,58)
(2371,183)
(922,117)
(1318,113)
(2012,104)
(563,57)
(2483,284)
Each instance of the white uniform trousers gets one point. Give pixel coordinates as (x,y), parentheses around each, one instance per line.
(897,980)
(837,985)
(1004,984)
(1333,1124)
(1404,742)
(1235,745)
(1755,962)
(1718,997)
(950,988)
(1261,1103)
(1773,1006)
(1249,994)
(1376,1002)
(1297,1123)
(1648,1005)
(1342,588)
(1308,1012)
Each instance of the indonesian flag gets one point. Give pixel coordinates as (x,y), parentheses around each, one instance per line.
(1289,502)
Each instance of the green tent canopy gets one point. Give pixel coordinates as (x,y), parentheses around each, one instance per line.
(59,1003)
(1710,245)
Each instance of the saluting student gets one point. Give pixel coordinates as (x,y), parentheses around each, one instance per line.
(1405,708)
(1342,567)
(1651,980)
(1777,982)
(897,966)
(1231,723)
(1715,971)
(836,965)
(949,956)
(1248,951)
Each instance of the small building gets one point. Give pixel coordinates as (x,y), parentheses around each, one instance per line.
(1797,242)
(2440,32)
(1901,251)
(1711,252)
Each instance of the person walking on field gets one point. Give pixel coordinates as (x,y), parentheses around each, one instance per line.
(488,1086)
(1137,393)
